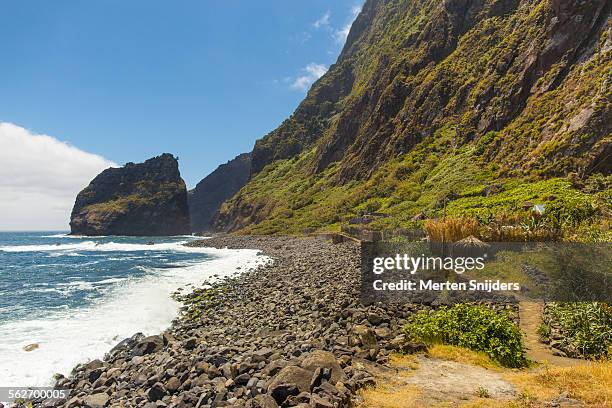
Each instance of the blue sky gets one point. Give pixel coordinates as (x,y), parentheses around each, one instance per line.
(128,80)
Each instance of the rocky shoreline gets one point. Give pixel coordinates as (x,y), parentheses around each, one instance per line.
(289,334)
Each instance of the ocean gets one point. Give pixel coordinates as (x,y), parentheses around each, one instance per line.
(76,297)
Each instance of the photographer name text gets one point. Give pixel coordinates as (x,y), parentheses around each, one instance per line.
(472,285)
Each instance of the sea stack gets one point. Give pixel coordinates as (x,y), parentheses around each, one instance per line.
(142,199)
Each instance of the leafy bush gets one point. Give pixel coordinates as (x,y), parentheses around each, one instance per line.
(474,327)
(587,325)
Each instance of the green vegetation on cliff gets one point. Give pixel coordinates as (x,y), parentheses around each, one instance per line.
(456,107)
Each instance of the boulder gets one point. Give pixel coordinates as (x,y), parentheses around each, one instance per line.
(191,343)
(323,359)
(291,380)
(126,344)
(281,392)
(173,384)
(262,401)
(31,347)
(319,402)
(274,367)
(156,392)
(96,400)
(366,336)
(148,345)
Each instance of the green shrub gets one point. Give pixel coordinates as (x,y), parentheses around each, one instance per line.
(588,326)
(474,327)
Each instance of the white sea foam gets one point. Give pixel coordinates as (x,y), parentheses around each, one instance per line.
(102,247)
(66,235)
(78,285)
(109,281)
(136,305)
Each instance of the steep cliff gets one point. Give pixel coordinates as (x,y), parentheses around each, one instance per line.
(148,198)
(208,195)
(435,101)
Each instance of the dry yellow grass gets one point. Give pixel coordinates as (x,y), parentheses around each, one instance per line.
(492,403)
(462,355)
(384,396)
(404,361)
(590,383)
(393,392)
(452,229)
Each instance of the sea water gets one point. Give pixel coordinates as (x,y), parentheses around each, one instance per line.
(74,298)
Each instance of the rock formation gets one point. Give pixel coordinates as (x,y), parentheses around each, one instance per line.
(142,199)
(208,195)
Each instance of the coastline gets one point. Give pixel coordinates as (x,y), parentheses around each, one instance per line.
(110,291)
(293,329)
(292,333)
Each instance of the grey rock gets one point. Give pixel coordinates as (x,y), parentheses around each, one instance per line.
(148,345)
(173,384)
(262,401)
(280,392)
(293,375)
(96,400)
(156,392)
(242,379)
(324,359)
(319,402)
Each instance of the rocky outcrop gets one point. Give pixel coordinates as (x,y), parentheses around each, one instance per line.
(208,195)
(149,198)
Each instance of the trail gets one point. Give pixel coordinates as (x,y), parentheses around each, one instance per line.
(429,382)
(530,313)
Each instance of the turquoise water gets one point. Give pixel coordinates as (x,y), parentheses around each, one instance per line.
(76,297)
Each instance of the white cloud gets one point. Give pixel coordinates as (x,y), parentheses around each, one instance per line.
(40,177)
(341,34)
(310,74)
(323,20)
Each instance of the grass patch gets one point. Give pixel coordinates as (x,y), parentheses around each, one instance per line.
(590,383)
(483,393)
(404,361)
(386,396)
(462,355)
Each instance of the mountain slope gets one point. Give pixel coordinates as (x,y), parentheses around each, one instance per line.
(220,185)
(436,101)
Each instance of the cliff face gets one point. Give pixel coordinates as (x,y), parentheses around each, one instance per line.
(437,96)
(206,198)
(148,198)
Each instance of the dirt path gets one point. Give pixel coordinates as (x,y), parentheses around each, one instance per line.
(531,316)
(455,383)
(433,382)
